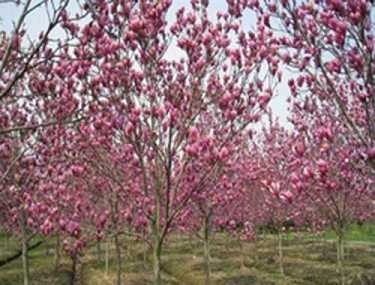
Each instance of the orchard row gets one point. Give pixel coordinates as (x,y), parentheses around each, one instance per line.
(104,133)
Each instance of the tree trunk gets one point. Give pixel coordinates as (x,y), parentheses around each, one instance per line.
(118,260)
(25,262)
(25,253)
(157,253)
(107,256)
(157,246)
(99,252)
(342,247)
(281,257)
(156,263)
(340,254)
(115,222)
(207,267)
(255,246)
(75,269)
(127,249)
(242,265)
(57,252)
(7,238)
(144,253)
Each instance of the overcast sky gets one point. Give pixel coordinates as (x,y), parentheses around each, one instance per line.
(38,20)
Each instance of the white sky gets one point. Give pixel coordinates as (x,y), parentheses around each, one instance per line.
(38,20)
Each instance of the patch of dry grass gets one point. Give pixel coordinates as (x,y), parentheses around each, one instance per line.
(306,262)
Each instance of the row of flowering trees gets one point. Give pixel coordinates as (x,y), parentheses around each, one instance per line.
(103,135)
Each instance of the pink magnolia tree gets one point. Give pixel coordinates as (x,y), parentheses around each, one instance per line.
(215,208)
(329,47)
(103,133)
(17,220)
(280,155)
(66,198)
(88,179)
(172,112)
(28,89)
(336,179)
(117,183)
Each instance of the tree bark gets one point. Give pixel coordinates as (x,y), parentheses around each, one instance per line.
(75,269)
(57,252)
(107,256)
(99,250)
(256,245)
(206,239)
(242,265)
(144,253)
(281,257)
(25,253)
(118,260)
(340,255)
(157,246)
(7,239)
(157,262)
(115,222)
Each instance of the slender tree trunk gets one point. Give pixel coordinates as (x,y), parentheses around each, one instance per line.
(57,252)
(144,253)
(25,262)
(47,250)
(281,257)
(25,253)
(99,252)
(242,265)
(127,249)
(207,267)
(227,244)
(157,246)
(118,260)
(157,262)
(75,269)
(7,238)
(256,245)
(340,255)
(107,256)
(129,241)
(115,222)
(342,247)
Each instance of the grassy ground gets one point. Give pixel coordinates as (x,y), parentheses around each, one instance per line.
(363,233)
(41,264)
(307,261)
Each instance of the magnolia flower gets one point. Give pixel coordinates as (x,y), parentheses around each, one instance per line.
(371,153)
(299,149)
(322,166)
(193,133)
(286,196)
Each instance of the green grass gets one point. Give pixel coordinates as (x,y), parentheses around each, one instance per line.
(363,233)
(307,261)
(41,264)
